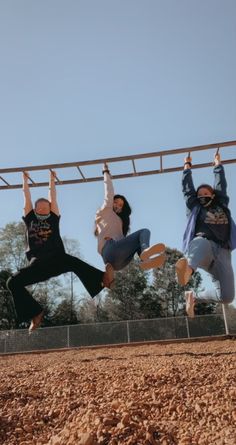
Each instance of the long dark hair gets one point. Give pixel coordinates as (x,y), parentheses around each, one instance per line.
(124,214)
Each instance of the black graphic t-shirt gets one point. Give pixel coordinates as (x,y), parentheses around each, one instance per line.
(214,223)
(42,236)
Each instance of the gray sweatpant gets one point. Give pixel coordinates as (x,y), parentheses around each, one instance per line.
(215,260)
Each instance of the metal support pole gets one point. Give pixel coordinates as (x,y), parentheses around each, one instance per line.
(68,336)
(187,327)
(225,320)
(128,332)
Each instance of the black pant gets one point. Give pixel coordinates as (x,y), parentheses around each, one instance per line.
(43,269)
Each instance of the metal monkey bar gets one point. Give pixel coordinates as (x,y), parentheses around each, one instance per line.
(159,158)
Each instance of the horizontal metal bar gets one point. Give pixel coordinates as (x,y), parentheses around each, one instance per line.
(121,158)
(121,176)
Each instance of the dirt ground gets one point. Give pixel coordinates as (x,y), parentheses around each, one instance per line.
(169,394)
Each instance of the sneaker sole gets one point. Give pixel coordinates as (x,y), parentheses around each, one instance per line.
(153,263)
(181,271)
(153,250)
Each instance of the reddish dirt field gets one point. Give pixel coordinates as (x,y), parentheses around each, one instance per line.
(168,394)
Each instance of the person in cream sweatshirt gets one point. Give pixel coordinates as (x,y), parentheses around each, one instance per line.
(112,224)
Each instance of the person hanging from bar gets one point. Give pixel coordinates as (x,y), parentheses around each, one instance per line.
(47,257)
(112,223)
(209,238)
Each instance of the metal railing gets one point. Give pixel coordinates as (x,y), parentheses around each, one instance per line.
(118,332)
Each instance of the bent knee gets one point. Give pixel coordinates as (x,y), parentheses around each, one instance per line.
(227,299)
(147,231)
(200,241)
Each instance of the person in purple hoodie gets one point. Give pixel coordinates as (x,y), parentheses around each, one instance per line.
(209,238)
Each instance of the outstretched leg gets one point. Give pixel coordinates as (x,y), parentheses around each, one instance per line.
(222,275)
(200,254)
(25,305)
(120,253)
(93,279)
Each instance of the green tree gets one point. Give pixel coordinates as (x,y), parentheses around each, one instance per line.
(12,246)
(49,294)
(64,314)
(7,310)
(88,310)
(151,304)
(132,296)
(204,308)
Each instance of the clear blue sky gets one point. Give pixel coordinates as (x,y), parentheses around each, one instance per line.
(81,80)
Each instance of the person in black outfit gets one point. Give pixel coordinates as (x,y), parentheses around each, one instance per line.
(47,257)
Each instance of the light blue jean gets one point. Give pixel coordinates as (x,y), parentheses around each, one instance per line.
(120,253)
(215,260)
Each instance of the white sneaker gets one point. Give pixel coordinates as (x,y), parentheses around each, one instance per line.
(190,303)
(152,250)
(183,271)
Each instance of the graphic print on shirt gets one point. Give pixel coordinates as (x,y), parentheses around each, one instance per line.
(216,216)
(39,232)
